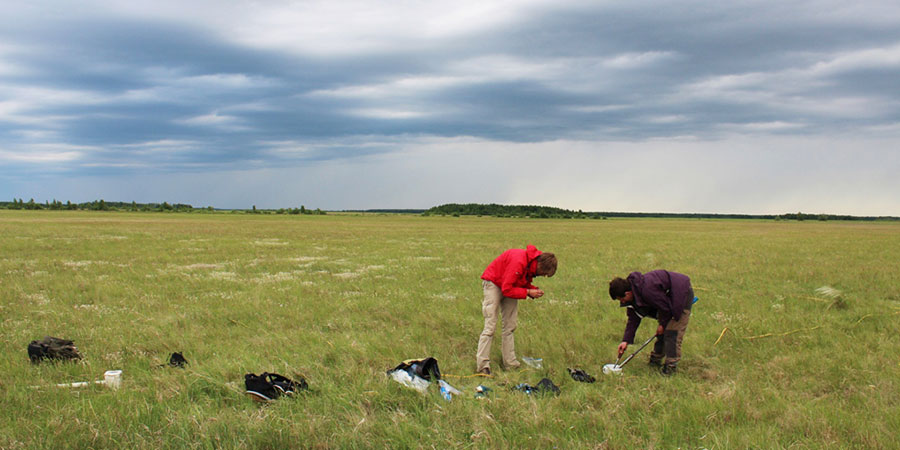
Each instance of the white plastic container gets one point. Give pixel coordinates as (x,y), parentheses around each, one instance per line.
(612,368)
(112,379)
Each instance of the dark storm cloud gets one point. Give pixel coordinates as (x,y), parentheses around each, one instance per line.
(183,74)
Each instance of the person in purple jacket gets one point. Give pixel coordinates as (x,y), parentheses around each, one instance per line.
(663,295)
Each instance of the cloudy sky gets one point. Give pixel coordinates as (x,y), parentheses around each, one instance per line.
(688,106)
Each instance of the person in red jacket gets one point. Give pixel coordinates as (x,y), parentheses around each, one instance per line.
(506,281)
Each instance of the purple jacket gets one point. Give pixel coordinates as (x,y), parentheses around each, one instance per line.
(668,293)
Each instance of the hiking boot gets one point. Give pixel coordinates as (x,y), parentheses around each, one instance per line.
(655,362)
(485,371)
(668,370)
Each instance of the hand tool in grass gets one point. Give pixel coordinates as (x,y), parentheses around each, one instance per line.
(617,368)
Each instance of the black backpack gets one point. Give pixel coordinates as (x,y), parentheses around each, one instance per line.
(52,348)
(423,368)
(269,386)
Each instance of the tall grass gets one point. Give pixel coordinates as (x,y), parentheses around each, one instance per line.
(340,299)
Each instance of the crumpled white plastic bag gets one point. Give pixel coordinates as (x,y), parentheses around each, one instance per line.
(403,377)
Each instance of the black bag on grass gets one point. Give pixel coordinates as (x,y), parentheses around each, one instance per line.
(177,360)
(543,387)
(52,348)
(423,368)
(269,386)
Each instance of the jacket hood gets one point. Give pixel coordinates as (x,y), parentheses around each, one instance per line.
(636,279)
(532,252)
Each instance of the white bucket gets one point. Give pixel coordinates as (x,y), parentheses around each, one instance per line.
(113,378)
(612,368)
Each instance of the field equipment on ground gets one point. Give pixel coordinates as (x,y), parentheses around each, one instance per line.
(175,360)
(580,375)
(426,368)
(617,368)
(543,387)
(52,348)
(111,379)
(482,391)
(269,386)
(416,373)
(448,391)
(534,363)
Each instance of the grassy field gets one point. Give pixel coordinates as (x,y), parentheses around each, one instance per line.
(340,299)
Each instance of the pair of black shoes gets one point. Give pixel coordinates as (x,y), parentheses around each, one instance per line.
(665,369)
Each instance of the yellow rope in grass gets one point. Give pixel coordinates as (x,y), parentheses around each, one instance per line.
(783,334)
(524,369)
(720,336)
(861,319)
(795,331)
(238,323)
(467,376)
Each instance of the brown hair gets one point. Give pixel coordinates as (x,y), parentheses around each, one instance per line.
(546,263)
(618,287)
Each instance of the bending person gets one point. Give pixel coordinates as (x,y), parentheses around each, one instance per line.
(662,295)
(506,281)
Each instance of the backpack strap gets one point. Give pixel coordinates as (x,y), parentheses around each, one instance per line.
(285,384)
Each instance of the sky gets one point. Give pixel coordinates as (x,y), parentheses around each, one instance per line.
(755,107)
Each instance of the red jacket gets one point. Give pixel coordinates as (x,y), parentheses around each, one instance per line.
(513,271)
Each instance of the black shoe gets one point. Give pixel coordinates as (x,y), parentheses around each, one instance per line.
(653,362)
(668,370)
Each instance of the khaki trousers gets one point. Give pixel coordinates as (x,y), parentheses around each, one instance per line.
(496,306)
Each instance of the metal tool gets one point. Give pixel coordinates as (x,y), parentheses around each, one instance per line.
(617,368)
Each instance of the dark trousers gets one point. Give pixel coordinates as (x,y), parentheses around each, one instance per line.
(668,345)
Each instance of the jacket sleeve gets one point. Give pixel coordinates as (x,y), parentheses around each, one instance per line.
(631,327)
(514,273)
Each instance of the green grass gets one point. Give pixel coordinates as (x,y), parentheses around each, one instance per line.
(340,299)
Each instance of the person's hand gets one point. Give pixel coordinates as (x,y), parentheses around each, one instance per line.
(621,349)
(660,330)
(535,293)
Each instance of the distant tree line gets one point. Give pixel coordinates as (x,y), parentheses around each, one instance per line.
(449,209)
(301,210)
(103,205)
(548,212)
(803,216)
(96,205)
(493,209)
(386,211)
